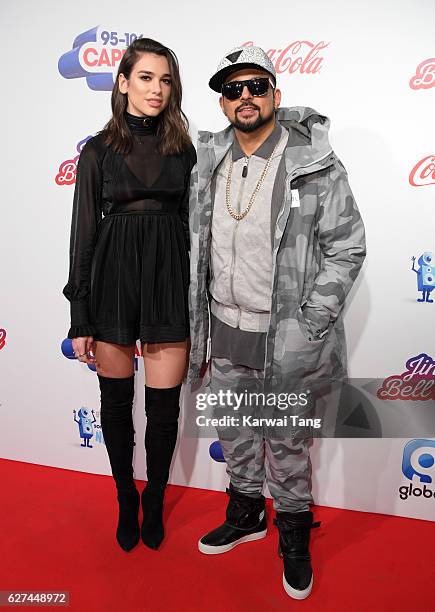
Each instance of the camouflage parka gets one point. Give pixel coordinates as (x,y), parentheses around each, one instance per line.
(318,250)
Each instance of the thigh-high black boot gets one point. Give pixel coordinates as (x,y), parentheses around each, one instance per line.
(118,431)
(162,407)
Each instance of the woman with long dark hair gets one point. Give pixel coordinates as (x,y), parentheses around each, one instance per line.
(129,272)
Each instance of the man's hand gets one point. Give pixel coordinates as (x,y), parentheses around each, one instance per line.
(83,349)
(204,369)
(197,382)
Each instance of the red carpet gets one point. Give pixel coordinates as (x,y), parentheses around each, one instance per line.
(57,532)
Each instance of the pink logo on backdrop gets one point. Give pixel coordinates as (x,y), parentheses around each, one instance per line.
(415,383)
(300,56)
(2,338)
(424,77)
(67,170)
(423,173)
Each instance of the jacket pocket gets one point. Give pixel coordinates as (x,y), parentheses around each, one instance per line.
(315,336)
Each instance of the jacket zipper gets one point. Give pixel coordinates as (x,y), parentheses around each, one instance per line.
(208,351)
(233,260)
(233,265)
(295,174)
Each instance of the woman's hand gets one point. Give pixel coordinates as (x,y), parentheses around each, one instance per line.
(83,349)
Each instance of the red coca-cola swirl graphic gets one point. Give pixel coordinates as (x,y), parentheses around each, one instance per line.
(2,338)
(301,56)
(424,77)
(423,173)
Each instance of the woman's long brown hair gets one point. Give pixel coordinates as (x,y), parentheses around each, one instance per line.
(173,125)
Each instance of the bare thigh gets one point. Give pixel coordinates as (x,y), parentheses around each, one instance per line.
(165,363)
(114,360)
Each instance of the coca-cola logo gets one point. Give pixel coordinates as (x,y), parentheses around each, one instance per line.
(423,173)
(300,56)
(416,383)
(2,338)
(66,174)
(424,76)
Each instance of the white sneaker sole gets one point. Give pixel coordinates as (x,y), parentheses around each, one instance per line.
(296,593)
(217,550)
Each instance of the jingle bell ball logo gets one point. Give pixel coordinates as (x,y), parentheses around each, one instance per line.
(417,382)
(66,175)
(95,56)
(418,467)
(424,77)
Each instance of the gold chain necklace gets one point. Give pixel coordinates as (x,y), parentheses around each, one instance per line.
(242,215)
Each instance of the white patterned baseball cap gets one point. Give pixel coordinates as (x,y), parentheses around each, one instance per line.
(237,59)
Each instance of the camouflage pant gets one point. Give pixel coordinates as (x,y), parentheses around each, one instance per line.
(255,453)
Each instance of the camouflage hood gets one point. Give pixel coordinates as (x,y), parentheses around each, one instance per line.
(308,127)
(318,250)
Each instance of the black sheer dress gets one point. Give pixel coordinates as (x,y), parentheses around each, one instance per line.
(129,262)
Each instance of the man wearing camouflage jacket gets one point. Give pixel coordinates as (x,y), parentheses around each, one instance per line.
(276,244)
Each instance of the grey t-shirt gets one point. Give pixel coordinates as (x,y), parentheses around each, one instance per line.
(238,346)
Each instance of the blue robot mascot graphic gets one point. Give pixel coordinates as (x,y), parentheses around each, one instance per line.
(86,430)
(425,276)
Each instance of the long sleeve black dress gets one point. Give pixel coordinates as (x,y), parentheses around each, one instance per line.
(129,263)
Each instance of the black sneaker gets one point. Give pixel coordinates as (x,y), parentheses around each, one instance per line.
(294,539)
(246,522)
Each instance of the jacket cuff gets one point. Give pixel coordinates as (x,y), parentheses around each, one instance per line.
(81,331)
(79,313)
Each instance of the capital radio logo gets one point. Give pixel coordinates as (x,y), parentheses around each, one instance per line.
(66,175)
(425,276)
(423,173)
(418,467)
(95,56)
(67,351)
(89,427)
(417,382)
(2,338)
(424,77)
(298,56)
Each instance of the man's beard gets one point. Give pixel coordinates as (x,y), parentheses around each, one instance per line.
(254,125)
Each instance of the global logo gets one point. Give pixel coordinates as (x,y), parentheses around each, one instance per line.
(66,174)
(95,56)
(418,464)
(418,457)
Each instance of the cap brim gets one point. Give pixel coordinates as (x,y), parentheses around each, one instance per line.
(218,79)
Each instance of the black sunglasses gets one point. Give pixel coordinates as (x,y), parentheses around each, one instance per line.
(256,87)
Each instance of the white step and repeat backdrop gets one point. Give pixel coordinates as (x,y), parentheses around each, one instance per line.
(369,66)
